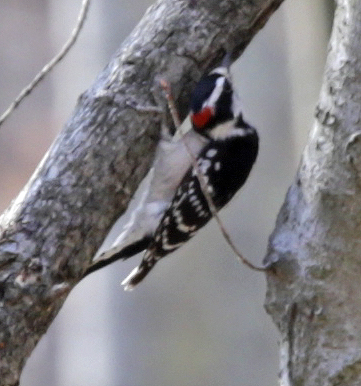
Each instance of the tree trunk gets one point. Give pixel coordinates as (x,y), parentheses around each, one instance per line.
(314,251)
(54,227)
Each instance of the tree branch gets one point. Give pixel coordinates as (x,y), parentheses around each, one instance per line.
(54,227)
(313,290)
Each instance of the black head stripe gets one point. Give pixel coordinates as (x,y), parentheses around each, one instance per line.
(203,91)
(224,105)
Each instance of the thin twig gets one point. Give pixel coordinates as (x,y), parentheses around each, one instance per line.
(49,66)
(203,184)
(171,105)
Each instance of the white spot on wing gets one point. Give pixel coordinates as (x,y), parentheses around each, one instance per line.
(204,165)
(192,198)
(186,228)
(211,153)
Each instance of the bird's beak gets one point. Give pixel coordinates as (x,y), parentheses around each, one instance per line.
(227,60)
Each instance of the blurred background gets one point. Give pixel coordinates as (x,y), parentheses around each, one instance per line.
(198,319)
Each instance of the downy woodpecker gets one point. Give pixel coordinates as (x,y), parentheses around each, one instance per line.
(174,207)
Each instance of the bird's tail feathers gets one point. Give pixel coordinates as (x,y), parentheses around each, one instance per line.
(137,275)
(114,254)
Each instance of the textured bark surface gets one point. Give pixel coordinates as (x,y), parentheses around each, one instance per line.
(59,220)
(313,289)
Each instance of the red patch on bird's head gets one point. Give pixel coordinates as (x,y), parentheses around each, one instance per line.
(200,119)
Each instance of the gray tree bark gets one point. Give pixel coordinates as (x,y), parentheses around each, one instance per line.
(314,251)
(54,227)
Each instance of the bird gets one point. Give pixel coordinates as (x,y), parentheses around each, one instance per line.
(223,149)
